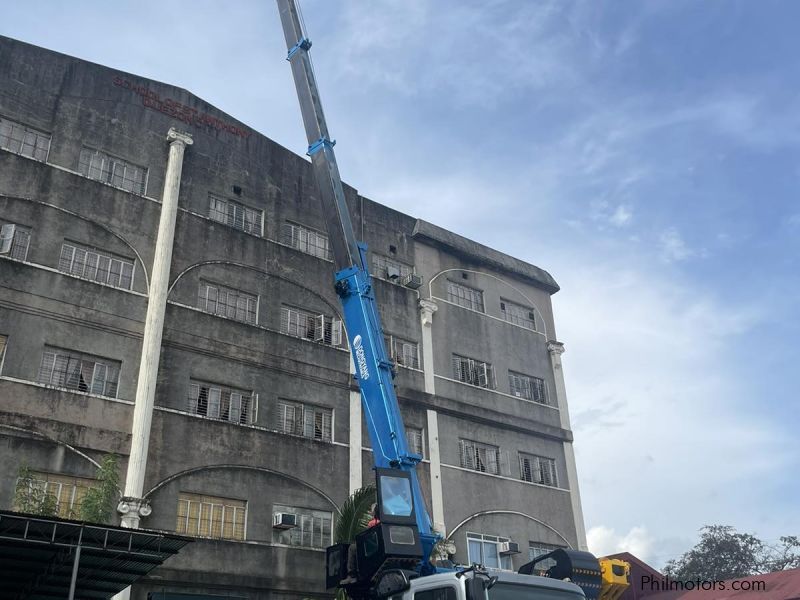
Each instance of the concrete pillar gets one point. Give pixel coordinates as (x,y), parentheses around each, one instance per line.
(426,310)
(556,349)
(132,507)
(356,476)
(437,501)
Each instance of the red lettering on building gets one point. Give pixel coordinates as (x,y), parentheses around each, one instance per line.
(176,110)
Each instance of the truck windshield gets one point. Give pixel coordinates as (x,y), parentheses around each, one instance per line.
(512,591)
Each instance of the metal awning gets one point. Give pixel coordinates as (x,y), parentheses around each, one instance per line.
(44,557)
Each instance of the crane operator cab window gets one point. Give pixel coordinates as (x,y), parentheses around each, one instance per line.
(396,499)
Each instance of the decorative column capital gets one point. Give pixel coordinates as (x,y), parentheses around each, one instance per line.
(427,308)
(180,137)
(555,348)
(132,510)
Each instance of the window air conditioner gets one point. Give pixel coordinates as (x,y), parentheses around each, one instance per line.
(393,273)
(509,548)
(284,520)
(412,281)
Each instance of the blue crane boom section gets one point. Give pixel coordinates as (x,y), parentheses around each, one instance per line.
(353,283)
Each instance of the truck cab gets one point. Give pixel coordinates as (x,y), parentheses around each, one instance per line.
(501,585)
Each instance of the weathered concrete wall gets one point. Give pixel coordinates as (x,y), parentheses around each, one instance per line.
(55,430)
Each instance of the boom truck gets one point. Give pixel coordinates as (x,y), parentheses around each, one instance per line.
(394,557)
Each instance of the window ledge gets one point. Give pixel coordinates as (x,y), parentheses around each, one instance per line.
(64,389)
(303,252)
(521,399)
(483,314)
(506,478)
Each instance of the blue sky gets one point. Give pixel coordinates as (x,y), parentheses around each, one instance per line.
(647,154)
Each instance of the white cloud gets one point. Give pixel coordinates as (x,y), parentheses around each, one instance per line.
(603,541)
(673,247)
(622,216)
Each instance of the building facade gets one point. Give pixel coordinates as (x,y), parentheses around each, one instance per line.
(166,296)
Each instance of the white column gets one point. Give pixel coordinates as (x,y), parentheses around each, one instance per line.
(437,502)
(426,310)
(556,349)
(356,477)
(132,506)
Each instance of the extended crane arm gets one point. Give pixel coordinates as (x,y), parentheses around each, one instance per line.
(353,282)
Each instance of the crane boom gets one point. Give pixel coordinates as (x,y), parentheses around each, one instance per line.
(353,283)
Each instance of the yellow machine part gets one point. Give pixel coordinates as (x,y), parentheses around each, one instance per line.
(615,576)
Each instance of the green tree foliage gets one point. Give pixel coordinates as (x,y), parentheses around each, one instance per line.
(724,553)
(31,497)
(101,499)
(355,515)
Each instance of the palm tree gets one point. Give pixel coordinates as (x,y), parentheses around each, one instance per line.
(355,515)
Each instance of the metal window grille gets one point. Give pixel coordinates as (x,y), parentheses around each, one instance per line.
(473,372)
(120,173)
(536,549)
(20,139)
(14,241)
(403,352)
(304,324)
(234,214)
(480,457)
(530,388)
(220,402)
(211,517)
(93,265)
(390,269)
(416,440)
(306,240)
(465,296)
(313,530)
(68,492)
(80,372)
(484,550)
(309,421)
(227,302)
(524,316)
(538,469)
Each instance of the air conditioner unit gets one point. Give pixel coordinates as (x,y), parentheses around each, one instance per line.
(412,281)
(392,273)
(509,548)
(284,520)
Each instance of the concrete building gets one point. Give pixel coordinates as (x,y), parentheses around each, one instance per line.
(166,295)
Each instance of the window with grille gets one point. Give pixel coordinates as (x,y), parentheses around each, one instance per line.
(227,302)
(484,550)
(530,388)
(97,266)
(236,215)
(416,440)
(305,324)
(211,517)
(403,352)
(306,240)
(390,269)
(313,527)
(473,372)
(465,296)
(536,549)
(537,469)
(67,493)
(222,402)
(524,316)
(113,171)
(480,457)
(14,241)
(296,418)
(81,372)
(20,139)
